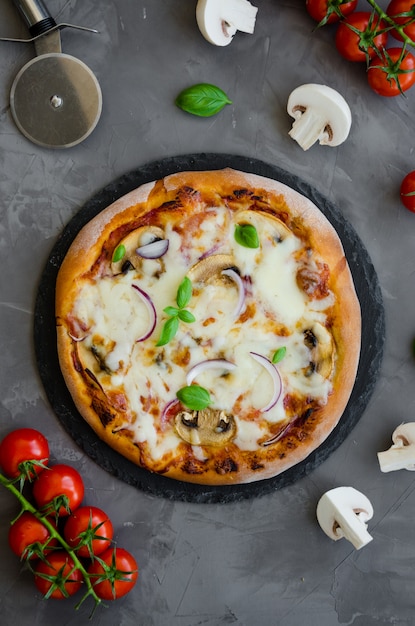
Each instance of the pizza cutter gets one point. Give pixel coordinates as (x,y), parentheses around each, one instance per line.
(55,99)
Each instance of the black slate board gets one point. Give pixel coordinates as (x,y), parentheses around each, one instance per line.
(373,334)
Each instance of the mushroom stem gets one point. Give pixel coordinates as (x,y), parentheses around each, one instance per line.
(308,128)
(352,526)
(397,458)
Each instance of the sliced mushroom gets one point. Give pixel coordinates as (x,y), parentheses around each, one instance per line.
(320,113)
(208,427)
(266,222)
(321,345)
(135,239)
(92,358)
(401,455)
(218,21)
(209,269)
(343,512)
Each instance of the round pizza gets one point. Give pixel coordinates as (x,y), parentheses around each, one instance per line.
(208,326)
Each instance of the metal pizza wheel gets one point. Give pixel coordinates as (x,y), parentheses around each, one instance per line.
(55,99)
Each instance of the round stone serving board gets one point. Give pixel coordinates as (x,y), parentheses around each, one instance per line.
(373,334)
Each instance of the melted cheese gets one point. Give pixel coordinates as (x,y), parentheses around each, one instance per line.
(116,317)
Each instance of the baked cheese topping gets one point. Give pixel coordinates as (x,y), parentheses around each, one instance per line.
(274,312)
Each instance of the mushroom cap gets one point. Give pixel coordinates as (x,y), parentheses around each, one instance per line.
(328,104)
(404,435)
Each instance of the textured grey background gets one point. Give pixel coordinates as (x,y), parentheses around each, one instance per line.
(261,561)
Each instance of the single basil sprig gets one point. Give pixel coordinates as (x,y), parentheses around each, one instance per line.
(194,397)
(202,99)
(279,355)
(171,326)
(246,235)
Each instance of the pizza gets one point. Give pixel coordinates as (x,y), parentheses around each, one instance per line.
(208,327)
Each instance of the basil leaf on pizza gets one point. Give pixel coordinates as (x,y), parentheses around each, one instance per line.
(184,292)
(279,355)
(194,397)
(246,235)
(234,355)
(169,330)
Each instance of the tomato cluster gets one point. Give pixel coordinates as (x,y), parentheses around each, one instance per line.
(362,36)
(66,545)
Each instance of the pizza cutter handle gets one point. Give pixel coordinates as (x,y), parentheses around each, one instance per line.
(36,16)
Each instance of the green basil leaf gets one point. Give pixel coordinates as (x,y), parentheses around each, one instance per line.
(202,99)
(119,253)
(279,355)
(194,397)
(170,328)
(184,292)
(246,235)
(186,316)
(171,310)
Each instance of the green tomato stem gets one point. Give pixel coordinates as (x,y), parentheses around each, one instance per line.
(27,506)
(389,20)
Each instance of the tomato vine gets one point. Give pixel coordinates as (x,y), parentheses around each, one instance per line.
(363,35)
(64,545)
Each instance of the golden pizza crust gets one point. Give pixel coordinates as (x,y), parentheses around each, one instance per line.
(227,465)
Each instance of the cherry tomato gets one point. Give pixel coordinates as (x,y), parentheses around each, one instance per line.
(91,527)
(26,532)
(121,570)
(354,47)
(384,73)
(408,191)
(327,11)
(58,481)
(20,446)
(402,6)
(68,580)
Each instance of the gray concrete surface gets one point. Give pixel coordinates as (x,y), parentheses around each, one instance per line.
(264,560)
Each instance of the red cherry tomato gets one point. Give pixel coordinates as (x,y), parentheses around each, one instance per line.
(68,580)
(383,74)
(327,11)
(402,6)
(408,191)
(90,527)
(57,481)
(26,532)
(121,577)
(20,446)
(354,47)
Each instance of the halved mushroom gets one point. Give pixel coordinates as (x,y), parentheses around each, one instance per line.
(343,512)
(208,427)
(321,114)
(210,269)
(265,222)
(321,345)
(125,254)
(401,455)
(218,21)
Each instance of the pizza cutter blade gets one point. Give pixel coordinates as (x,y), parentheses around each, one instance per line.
(55,99)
